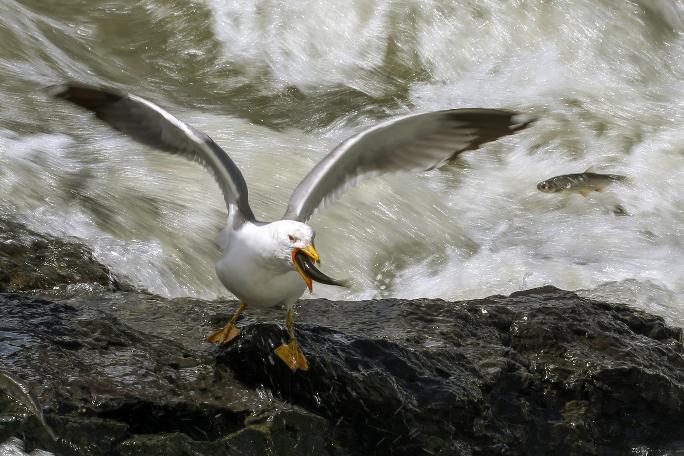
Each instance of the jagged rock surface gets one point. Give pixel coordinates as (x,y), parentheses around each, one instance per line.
(33,261)
(540,372)
(107,389)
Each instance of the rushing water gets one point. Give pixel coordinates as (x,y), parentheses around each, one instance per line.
(277,84)
(15,447)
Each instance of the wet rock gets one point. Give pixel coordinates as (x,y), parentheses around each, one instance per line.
(31,261)
(539,372)
(105,388)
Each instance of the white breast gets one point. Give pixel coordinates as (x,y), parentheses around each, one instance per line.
(251,272)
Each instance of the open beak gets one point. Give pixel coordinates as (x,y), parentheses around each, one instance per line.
(303,260)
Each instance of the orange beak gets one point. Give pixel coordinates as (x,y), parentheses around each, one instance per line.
(311,252)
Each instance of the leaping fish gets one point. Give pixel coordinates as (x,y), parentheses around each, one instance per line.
(582,183)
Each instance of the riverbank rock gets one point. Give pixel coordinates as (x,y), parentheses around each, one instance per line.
(539,372)
(33,261)
(104,388)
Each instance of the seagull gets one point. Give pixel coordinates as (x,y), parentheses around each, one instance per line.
(269,264)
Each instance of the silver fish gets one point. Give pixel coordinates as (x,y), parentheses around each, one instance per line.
(582,183)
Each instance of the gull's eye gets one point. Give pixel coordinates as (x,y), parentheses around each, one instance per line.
(291,238)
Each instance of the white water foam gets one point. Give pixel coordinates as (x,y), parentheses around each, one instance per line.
(15,447)
(604,80)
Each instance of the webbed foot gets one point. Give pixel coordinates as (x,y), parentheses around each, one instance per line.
(224,335)
(229,332)
(292,355)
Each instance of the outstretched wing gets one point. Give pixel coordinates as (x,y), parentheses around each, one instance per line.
(150,124)
(412,143)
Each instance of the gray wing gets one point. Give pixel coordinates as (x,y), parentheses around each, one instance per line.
(149,124)
(416,142)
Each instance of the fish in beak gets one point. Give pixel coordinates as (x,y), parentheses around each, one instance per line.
(304,261)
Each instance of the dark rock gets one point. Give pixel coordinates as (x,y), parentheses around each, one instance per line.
(105,389)
(33,261)
(539,372)
(284,432)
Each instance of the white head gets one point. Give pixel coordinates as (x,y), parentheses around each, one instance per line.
(293,238)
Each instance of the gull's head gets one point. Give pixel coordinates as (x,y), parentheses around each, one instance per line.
(292,236)
(296,247)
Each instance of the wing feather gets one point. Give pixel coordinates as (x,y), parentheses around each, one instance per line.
(150,124)
(416,142)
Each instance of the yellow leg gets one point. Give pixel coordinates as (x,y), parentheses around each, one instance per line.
(290,353)
(228,332)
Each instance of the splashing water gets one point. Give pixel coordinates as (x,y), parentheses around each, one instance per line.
(279,85)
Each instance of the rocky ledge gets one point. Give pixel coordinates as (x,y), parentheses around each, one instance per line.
(29,260)
(112,372)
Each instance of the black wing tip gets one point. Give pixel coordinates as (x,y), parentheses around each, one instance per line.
(88,97)
(514,120)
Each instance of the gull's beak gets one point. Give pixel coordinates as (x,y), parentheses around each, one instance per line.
(310,250)
(303,260)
